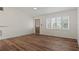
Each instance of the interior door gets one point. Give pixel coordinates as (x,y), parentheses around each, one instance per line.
(37,26)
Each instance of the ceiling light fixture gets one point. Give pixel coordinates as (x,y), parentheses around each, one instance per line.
(35,8)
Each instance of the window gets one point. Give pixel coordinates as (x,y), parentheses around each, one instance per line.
(58,19)
(60,22)
(53,23)
(48,22)
(65,22)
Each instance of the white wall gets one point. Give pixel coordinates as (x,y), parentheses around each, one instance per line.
(18,22)
(78,26)
(71,33)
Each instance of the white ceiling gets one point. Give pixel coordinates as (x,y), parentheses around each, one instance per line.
(43,10)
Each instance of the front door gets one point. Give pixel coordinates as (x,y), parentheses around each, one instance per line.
(37,26)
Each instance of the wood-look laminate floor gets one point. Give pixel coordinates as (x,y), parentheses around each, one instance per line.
(38,43)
